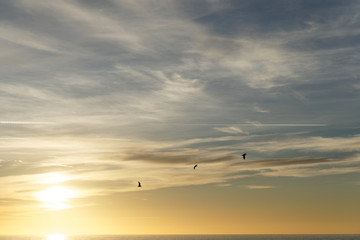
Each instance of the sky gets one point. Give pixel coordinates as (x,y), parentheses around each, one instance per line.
(98,95)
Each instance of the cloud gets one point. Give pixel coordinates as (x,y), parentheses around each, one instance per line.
(90,21)
(321,144)
(293,161)
(164,66)
(258,109)
(304,167)
(180,157)
(177,88)
(27,39)
(296,167)
(57,165)
(232,130)
(259,187)
(25,123)
(257,63)
(117,165)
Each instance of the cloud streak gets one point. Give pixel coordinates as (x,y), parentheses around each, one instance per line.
(259,187)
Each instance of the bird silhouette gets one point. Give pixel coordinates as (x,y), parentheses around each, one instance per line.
(195,166)
(244,155)
(139,184)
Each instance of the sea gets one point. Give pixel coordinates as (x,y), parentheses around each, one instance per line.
(183,237)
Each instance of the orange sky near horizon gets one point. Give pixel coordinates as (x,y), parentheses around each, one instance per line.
(287,208)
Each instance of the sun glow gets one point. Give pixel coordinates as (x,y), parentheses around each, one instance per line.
(53,178)
(55,236)
(55,198)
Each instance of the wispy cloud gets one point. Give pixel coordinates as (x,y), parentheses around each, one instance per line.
(25,123)
(232,130)
(258,109)
(357,86)
(177,88)
(322,144)
(259,187)
(293,161)
(27,39)
(90,21)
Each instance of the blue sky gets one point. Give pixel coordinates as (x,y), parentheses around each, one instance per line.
(100,94)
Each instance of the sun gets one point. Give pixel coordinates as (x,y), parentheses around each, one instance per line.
(56,198)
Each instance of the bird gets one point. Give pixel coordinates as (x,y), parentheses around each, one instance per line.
(244,155)
(139,184)
(195,166)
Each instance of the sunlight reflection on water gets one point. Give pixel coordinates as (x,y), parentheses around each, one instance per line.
(56,236)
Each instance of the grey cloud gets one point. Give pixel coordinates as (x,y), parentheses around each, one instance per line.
(26,39)
(177,158)
(231,130)
(124,92)
(321,144)
(282,167)
(259,109)
(345,41)
(259,187)
(279,16)
(294,161)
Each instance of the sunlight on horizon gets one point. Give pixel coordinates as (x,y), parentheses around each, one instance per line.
(55,198)
(56,236)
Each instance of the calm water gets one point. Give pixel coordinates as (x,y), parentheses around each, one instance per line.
(186,237)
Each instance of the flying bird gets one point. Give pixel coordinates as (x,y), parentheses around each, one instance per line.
(139,184)
(195,166)
(244,155)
